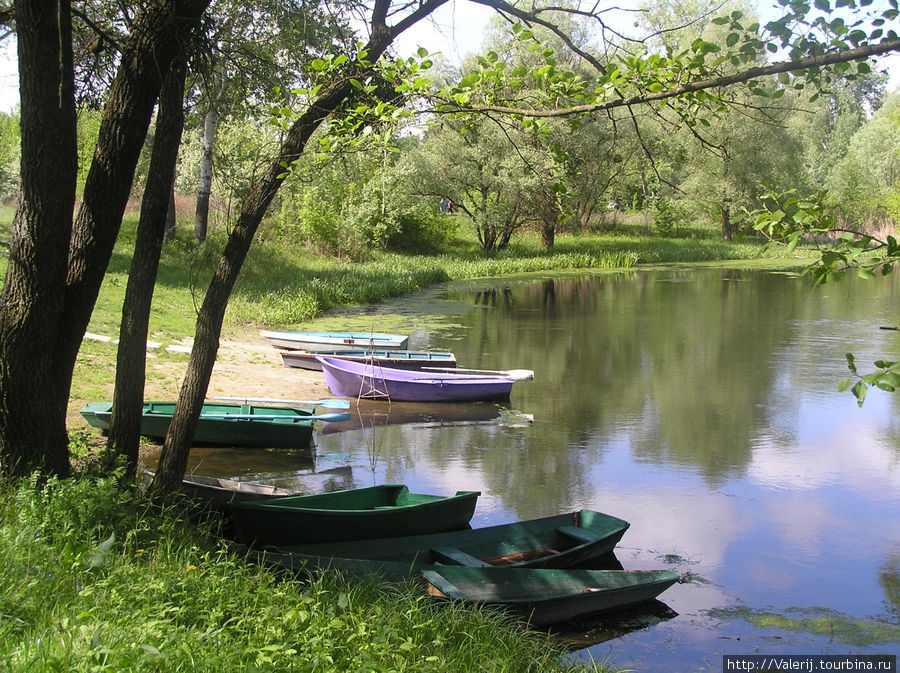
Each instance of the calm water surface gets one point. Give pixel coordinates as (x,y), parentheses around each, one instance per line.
(698,404)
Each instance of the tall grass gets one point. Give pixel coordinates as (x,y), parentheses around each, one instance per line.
(93,580)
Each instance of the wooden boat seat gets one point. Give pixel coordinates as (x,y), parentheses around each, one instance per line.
(457,557)
(580,535)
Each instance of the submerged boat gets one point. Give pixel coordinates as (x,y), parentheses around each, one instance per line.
(549,596)
(336,340)
(231,424)
(396,359)
(215,492)
(346,378)
(354,514)
(561,541)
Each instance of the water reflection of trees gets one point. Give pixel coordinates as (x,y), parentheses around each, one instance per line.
(889,579)
(681,364)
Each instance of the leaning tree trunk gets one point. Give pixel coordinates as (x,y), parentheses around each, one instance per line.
(33,431)
(173,458)
(125,425)
(204,189)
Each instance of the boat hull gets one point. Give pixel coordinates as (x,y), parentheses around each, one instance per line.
(336,340)
(366,381)
(292,428)
(355,514)
(397,359)
(561,541)
(544,597)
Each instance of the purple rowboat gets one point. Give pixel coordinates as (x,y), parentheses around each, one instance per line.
(366,381)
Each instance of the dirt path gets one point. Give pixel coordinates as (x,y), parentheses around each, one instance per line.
(246,366)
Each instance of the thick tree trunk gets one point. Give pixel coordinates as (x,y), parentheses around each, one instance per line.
(44,319)
(125,426)
(548,234)
(204,189)
(33,431)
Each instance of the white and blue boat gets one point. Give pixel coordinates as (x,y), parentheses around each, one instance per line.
(315,341)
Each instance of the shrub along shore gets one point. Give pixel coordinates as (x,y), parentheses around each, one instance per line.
(95,579)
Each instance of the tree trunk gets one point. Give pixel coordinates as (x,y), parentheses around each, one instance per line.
(727,226)
(173,458)
(169,236)
(201,214)
(125,425)
(44,315)
(548,234)
(33,431)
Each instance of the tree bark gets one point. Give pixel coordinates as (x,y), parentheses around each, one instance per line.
(204,189)
(125,425)
(548,234)
(33,432)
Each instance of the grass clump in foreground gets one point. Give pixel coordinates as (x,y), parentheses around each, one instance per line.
(94,579)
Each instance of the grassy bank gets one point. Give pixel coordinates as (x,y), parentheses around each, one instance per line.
(283,284)
(93,580)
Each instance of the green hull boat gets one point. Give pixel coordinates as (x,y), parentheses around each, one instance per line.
(355,514)
(227,424)
(562,541)
(544,597)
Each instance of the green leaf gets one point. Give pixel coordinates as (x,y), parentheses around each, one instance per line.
(823,5)
(859,392)
(867,274)
(843,385)
(851,362)
(732,39)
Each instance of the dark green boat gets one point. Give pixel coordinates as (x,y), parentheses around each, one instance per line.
(354,514)
(547,596)
(561,541)
(229,424)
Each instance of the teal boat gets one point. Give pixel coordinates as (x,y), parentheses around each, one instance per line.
(231,424)
(562,541)
(544,597)
(354,514)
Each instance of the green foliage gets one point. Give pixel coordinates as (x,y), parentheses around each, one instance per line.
(887,378)
(787,220)
(9,155)
(864,182)
(93,579)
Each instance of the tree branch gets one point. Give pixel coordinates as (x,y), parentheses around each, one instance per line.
(841,56)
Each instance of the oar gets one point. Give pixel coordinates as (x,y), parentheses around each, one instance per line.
(328,403)
(334,418)
(514,374)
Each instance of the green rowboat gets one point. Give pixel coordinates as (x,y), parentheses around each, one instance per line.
(227,424)
(354,514)
(561,541)
(543,596)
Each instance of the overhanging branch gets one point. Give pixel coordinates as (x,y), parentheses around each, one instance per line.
(831,58)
